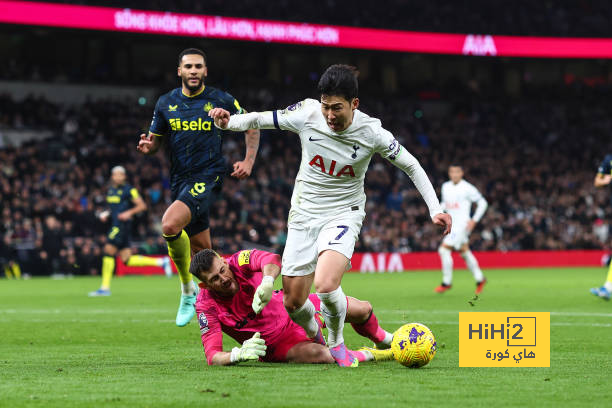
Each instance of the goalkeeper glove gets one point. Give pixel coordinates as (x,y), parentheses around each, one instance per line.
(251,350)
(263,294)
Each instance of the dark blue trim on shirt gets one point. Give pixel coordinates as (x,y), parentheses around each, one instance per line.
(275,118)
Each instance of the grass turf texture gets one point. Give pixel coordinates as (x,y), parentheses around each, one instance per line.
(59,348)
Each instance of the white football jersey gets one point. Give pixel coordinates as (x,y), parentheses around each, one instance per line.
(333,167)
(457,200)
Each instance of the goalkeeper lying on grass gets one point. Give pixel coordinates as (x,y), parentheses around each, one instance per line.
(238,299)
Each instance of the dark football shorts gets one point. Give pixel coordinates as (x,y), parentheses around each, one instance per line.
(119,235)
(198,193)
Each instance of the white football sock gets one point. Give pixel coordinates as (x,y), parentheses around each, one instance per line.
(188,288)
(333,307)
(368,355)
(472,265)
(386,343)
(304,316)
(447,265)
(608,286)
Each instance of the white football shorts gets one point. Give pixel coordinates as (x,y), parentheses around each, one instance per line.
(308,236)
(457,237)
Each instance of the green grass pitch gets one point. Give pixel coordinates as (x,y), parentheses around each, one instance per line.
(59,348)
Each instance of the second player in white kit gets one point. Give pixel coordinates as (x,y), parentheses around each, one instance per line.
(457,198)
(328,202)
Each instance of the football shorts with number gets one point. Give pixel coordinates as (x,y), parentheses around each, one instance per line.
(198,193)
(119,235)
(308,236)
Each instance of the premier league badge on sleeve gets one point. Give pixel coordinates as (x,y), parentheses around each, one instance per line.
(203,323)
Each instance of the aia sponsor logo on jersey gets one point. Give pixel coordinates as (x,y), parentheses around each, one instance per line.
(333,169)
(453,206)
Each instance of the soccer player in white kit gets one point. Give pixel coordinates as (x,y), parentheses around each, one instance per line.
(328,202)
(457,198)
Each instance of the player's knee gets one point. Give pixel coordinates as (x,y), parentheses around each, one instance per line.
(442,250)
(169,227)
(367,309)
(110,250)
(359,311)
(291,304)
(325,286)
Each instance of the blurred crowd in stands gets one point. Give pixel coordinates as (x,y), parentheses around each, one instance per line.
(534,161)
(520,17)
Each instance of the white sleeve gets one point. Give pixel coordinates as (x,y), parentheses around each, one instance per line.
(393,151)
(251,120)
(293,117)
(481,203)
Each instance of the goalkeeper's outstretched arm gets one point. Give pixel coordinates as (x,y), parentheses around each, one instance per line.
(250,350)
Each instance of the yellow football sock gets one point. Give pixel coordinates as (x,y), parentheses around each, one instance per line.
(17,271)
(609,279)
(108,267)
(140,260)
(179,250)
(8,272)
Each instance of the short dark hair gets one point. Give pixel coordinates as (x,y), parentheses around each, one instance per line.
(456,165)
(202,262)
(339,80)
(191,51)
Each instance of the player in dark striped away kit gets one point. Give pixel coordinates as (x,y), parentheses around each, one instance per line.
(193,145)
(124,202)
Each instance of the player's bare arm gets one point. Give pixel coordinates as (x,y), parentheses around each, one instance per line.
(149,144)
(139,206)
(602,180)
(242,169)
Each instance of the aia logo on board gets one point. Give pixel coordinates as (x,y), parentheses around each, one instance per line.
(479,45)
(333,169)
